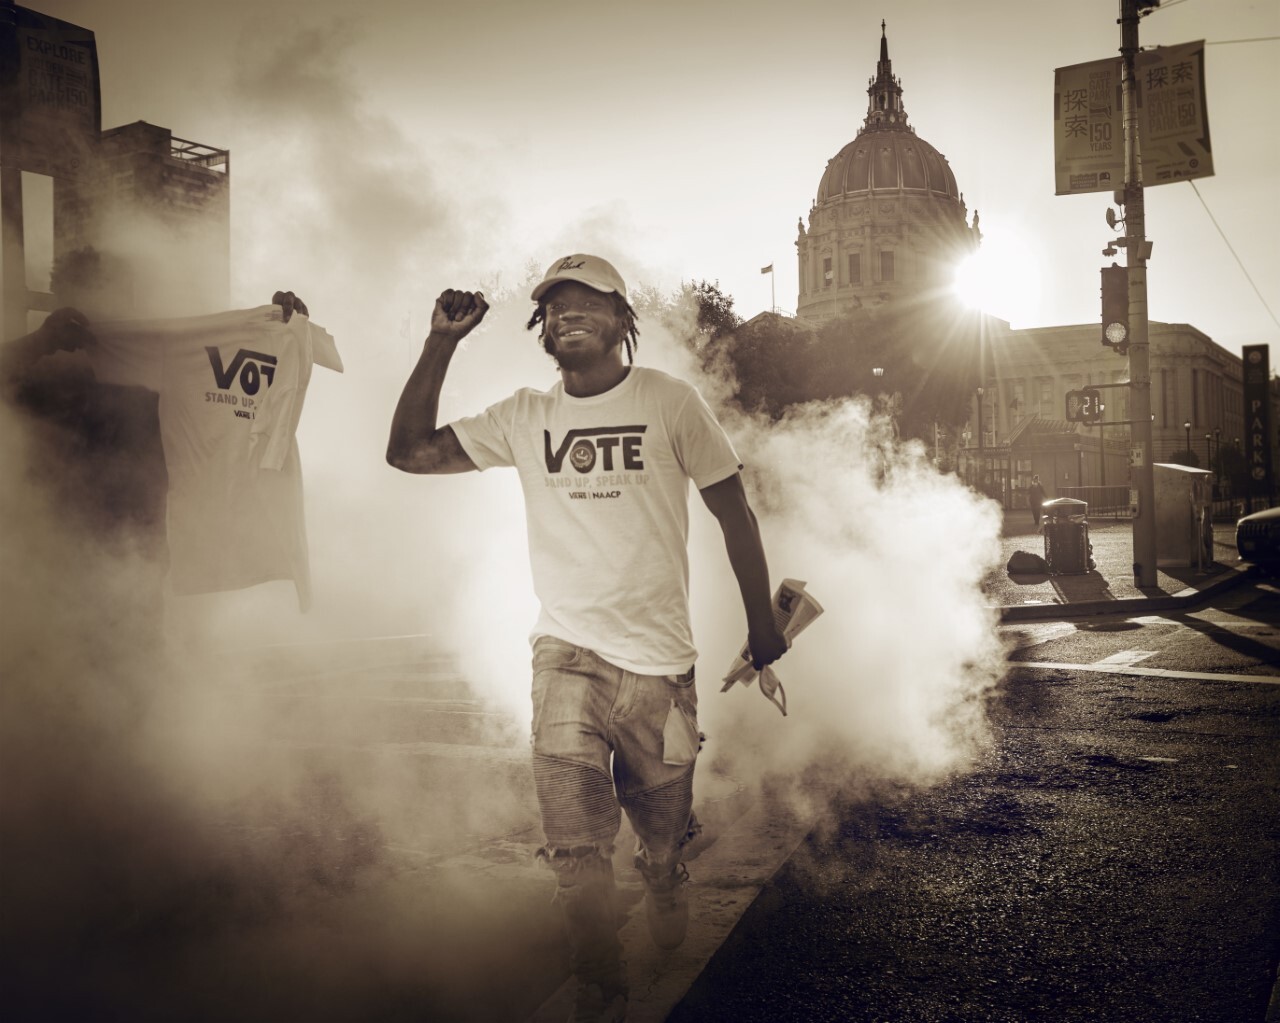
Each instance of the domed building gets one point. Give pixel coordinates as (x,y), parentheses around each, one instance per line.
(888,221)
(889,225)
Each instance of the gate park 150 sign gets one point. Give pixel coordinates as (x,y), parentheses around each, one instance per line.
(1173,122)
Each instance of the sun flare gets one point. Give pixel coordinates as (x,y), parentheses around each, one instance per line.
(1001,278)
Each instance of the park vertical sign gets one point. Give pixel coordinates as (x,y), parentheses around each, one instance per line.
(1173,123)
(1257,420)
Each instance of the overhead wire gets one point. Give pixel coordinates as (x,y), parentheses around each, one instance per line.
(1165,5)
(1231,249)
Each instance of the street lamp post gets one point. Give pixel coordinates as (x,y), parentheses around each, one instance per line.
(1187,426)
(1213,465)
(1208,456)
(1234,457)
(982,467)
(1208,452)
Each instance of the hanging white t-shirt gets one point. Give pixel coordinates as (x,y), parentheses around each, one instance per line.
(606,490)
(231,390)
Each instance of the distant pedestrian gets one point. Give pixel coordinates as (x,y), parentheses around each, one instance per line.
(1037,497)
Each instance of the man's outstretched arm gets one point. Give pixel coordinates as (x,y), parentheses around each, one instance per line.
(727,501)
(416,444)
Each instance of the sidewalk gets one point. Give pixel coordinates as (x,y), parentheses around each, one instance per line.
(1109,588)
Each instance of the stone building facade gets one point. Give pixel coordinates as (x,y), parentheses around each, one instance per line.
(1197,403)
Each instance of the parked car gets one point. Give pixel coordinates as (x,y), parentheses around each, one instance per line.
(1258,539)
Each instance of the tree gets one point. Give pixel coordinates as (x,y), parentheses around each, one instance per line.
(926,352)
(696,313)
(774,360)
(716,317)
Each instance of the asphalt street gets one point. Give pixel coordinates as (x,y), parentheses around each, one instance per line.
(1110,855)
(1113,856)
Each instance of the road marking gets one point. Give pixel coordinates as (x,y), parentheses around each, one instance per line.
(1127,657)
(1028,634)
(1208,618)
(1128,669)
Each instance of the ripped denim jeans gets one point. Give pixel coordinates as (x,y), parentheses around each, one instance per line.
(603,741)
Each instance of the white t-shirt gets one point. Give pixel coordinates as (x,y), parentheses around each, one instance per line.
(606,490)
(231,392)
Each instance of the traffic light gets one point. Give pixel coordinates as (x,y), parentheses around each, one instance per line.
(1115,308)
(1085,406)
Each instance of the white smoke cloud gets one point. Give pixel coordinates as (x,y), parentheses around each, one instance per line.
(888,683)
(205,791)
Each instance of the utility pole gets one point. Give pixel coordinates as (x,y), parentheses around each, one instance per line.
(1137,250)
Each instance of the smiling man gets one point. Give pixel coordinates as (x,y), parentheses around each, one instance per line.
(605,458)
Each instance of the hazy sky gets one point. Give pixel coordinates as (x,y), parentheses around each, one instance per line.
(684,140)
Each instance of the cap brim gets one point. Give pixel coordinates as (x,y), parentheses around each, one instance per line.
(544,286)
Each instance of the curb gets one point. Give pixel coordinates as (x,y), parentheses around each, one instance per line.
(1191,596)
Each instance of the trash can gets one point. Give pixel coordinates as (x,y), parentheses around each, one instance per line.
(1066,537)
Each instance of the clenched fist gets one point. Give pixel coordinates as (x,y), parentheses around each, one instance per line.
(457,313)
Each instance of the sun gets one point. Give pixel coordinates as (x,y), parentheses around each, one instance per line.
(1002,278)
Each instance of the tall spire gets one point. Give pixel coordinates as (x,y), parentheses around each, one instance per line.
(884,92)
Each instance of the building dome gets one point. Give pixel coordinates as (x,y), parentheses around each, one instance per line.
(888,222)
(887,160)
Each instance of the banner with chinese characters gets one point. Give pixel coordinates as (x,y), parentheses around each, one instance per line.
(1173,121)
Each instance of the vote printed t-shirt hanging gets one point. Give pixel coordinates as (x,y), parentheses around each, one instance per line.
(231,387)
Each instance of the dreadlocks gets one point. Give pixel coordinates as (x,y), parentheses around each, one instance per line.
(621,309)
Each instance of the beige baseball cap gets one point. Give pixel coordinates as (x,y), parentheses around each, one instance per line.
(592,271)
